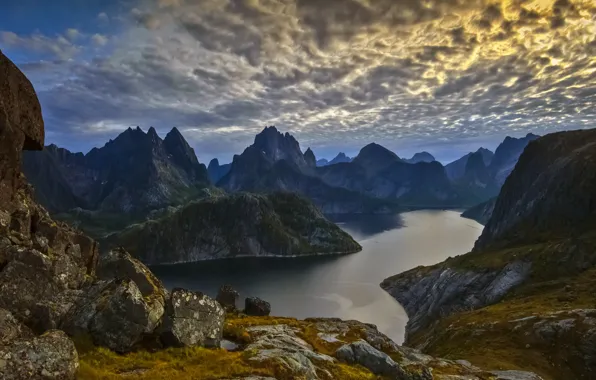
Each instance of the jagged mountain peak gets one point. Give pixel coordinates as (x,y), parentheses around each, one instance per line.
(310,158)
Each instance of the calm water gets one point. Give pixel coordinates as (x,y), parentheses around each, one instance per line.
(344,286)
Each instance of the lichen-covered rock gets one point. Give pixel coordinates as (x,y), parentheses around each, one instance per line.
(256,306)
(49,356)
(227,297)
(378,362)
(192,319)
(115,314)
(118,264)
(11,329)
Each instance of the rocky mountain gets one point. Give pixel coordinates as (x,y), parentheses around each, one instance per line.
(277,224)
(481,212)
(457,168)
(217,171)
(310,158)
(523,297)
(260,170)
(506,156)
(341,157)
(67,314)
(380,173)
(135,172)
(476,182)
(421,157)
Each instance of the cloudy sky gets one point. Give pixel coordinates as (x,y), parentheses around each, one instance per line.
(445,76)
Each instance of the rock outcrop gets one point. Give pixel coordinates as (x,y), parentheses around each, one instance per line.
(278,224)
(217,171)
(256,306)
(227,297)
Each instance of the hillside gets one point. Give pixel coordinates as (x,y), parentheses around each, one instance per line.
(523,297)
(277,224)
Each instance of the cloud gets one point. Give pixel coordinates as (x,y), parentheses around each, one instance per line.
(99,39)
(57,46)
(103,17)
(396,72)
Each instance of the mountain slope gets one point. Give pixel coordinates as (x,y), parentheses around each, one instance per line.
(524,296)
(457,168)
(421,157)
(135,172)
(217,171)
(506,156)
(277,224)
(481,212)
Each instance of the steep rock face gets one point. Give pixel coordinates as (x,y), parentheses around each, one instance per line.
(506,156)
(421,157)
(549,194)
(277,146)
(310,158)
(457,168)
(375,158)
(477,183)
(279,224)
(135,172)
(256,171)
(481,212)
(217,171)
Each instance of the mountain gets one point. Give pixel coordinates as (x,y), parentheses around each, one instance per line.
(322,162)
(135,172)
(276,224)
(506,156)
(481,212)
(341,157)
(275,163)
(457,168)
(217,171)
(309,157)
(524,296)
(476,182)
(380,173)
(421,157)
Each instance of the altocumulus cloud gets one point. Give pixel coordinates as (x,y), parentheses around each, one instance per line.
(337,73)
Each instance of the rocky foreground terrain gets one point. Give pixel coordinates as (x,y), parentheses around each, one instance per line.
(66,313)
(523,298)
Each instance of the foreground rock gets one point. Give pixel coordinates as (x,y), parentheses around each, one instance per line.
(227,297)
(378,362)
(278,224)
(192,319)
(256,306)
(49,356)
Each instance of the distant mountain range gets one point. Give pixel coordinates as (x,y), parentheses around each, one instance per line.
(135,172)
(341,157)
(140,174)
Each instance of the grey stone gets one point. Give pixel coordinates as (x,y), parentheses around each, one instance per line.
(192,319)
(227,297)
(256,306)
(50,356)
(376,361)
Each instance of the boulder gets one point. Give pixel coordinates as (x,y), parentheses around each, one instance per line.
(227,297)
(378,362)
(11,329)
(120,265)
(49,356)
(115,314)
(192,319)
(256,306)
(19,106)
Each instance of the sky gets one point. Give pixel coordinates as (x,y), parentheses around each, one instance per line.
(445,76)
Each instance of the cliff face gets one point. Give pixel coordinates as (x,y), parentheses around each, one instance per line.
(481,212)
(278,224)
(525,287)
